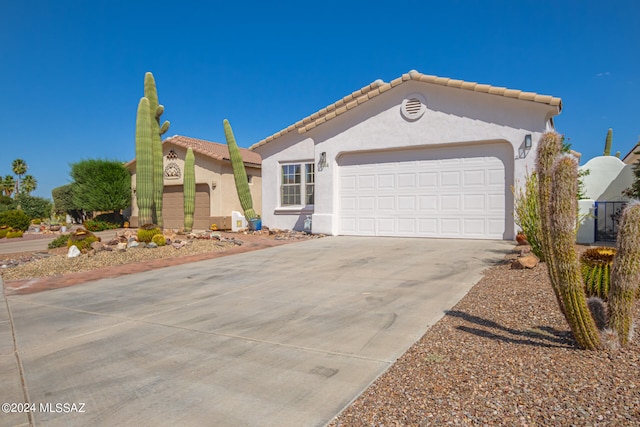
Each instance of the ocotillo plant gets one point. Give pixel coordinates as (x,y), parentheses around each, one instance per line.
(189,189)
(562,210)
(156,111)
(239,173)
(607,143)
(144,163)
(625,274)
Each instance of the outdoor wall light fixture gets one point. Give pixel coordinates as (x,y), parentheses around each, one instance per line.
(214,184)
(322,163)
(527,141)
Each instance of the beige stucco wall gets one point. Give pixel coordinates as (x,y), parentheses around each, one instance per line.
(216,174)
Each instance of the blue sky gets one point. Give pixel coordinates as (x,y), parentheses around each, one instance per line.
(71,72)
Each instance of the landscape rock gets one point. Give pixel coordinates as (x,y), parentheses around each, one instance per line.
(97,246)
(121,247)
(527,261)
(152,245)
(132,243)
(73,252)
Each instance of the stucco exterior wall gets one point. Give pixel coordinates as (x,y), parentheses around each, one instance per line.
(453,116)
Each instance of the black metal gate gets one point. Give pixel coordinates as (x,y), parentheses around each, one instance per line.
(607,219)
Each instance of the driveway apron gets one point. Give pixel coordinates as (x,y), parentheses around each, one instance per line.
(285,336)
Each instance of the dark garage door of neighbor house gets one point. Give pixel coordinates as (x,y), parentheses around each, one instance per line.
(173,207)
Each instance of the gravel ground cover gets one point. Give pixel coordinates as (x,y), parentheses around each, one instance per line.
(58,263)
(504,356)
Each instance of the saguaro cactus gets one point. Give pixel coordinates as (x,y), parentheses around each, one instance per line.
(144,164)
(607,143)
(239,173)
(625,274)
(189,189)
(567,267)
(155,111)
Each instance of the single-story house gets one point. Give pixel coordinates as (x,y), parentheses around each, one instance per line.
(420,156)
(216,195)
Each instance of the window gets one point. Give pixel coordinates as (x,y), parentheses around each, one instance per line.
(297,186)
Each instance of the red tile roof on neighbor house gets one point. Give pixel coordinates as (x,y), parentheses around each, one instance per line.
(376,88)
(210,149)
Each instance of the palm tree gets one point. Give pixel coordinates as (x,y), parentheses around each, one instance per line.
(19,167)
(8,185)
(29,184)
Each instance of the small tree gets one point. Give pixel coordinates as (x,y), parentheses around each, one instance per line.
(29,184)
(100,185)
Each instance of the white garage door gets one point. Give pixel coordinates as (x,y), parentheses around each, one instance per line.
(453,192)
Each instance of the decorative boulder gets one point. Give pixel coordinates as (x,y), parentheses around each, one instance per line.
(73,252)
(527,261)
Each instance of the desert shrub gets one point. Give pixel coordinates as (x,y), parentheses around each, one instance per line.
(159,240)
(147,231)
(59,242)
(527,215)
(111,217)
(16,219)
(99,225)
(36,221)
(82,239)
(4,229)
(13,234)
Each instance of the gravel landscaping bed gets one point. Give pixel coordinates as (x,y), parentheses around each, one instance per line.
(58,263)
(504,356)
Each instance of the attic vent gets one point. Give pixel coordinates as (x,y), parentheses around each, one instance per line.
(172,155)
(413,107)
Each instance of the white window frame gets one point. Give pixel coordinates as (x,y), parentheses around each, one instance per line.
(302,185)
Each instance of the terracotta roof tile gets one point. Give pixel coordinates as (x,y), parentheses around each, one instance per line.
(374,89)
(214,150)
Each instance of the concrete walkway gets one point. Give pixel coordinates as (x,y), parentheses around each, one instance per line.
(285,336)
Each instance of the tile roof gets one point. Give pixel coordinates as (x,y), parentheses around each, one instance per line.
(214,150)
(377,87)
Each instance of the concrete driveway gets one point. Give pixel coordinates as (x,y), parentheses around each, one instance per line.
(286,336)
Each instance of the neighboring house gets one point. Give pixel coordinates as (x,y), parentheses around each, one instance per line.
(607,179)
(216,195)
(421,156)
(604,198)
(632,156)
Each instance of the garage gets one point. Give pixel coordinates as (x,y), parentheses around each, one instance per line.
(173,207)
(456,191)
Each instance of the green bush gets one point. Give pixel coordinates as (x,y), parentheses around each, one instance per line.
(12,234)
(4,229)
(527,215)
(16,219)
(99,225)
(34,207)
(147,231)
(82,239)
(159,240)
(59,242)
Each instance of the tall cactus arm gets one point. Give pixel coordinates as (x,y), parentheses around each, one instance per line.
(189,189)
(625,274)
(239,172)
(144,163)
